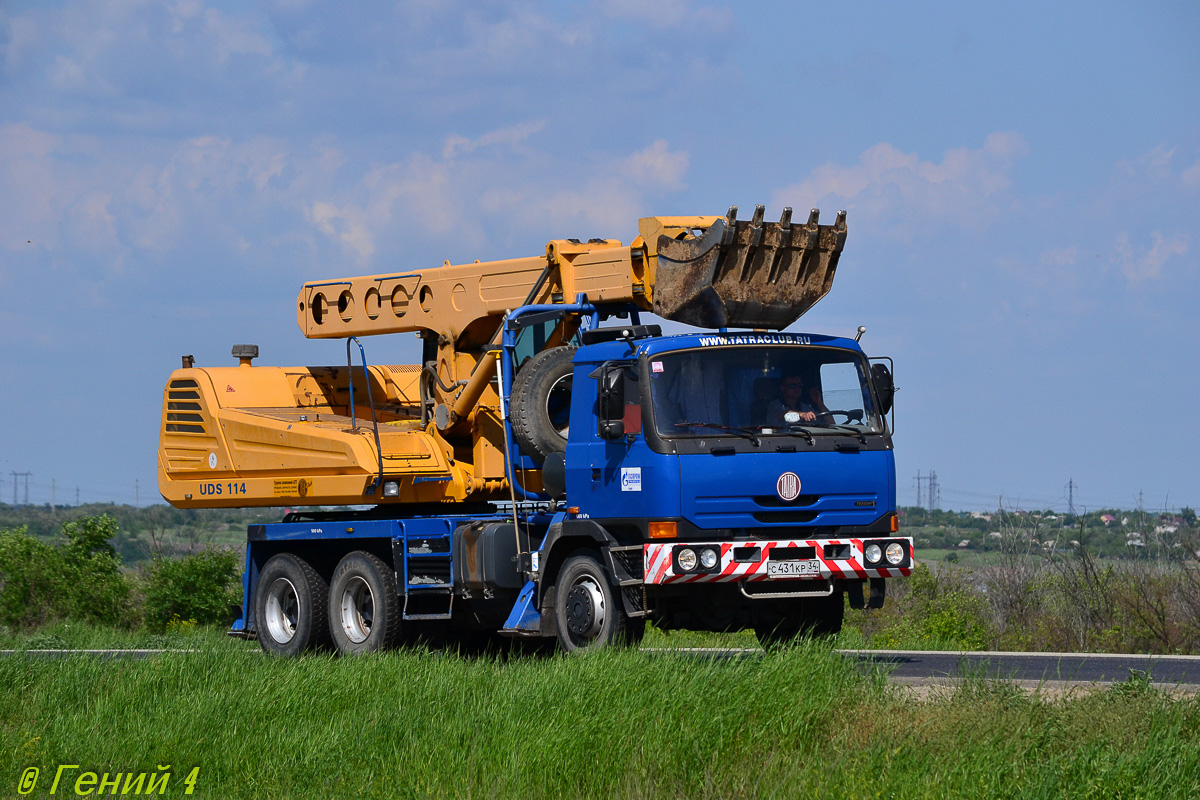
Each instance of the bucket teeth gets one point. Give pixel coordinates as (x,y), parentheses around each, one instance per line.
(748,274)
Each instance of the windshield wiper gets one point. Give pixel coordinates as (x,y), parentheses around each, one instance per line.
(851,429)
(805,432)
(743,432)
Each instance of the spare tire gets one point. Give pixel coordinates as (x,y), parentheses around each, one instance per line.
(541,403)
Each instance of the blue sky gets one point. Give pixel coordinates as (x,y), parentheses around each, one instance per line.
(1022,185)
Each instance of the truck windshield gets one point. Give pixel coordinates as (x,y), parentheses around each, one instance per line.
(762,391)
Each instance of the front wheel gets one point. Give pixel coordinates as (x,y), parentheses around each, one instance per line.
(290,607)
(364,607)
(587,610)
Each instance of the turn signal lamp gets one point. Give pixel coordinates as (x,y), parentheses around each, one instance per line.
(895,523)
(662,530)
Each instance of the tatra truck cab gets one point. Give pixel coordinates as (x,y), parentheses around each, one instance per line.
(554,469)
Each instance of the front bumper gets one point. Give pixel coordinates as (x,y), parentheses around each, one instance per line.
(739,561)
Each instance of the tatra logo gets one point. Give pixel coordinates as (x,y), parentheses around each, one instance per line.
(228,388)
(788,486)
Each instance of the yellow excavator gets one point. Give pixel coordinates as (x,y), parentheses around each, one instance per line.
(435,432)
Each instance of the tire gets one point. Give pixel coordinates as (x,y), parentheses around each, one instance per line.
(364,607)
(811,616)
(290,607)
(588,612)
(541,407)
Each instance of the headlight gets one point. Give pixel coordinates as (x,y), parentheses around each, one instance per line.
(708,558)
(873,553)
(687,559)
(391,489)
(895,553)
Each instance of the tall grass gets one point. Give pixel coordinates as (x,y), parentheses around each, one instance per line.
(609,724)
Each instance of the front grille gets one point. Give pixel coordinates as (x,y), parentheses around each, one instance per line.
(772,501)
(785,516)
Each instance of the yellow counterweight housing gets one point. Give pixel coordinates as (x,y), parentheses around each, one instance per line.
(277,436)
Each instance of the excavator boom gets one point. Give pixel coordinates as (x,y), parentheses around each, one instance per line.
(711,272)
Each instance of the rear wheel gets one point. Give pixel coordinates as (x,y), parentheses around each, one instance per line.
(810,616)
(290,607)
(364,607)
(588,612)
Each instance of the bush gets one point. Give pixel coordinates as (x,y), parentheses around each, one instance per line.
(80,578)
(198,589)
(31,580)
(934,610)
(97,591)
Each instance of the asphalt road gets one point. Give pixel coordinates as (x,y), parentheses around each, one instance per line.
(911,665)
(906,666)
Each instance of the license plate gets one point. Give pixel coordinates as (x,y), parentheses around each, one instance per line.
(794,569)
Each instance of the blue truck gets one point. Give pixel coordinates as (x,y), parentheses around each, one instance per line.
(555,469)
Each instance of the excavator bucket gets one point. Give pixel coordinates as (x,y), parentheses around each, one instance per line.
(742,274)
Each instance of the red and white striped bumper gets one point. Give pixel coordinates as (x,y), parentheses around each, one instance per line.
(659,566)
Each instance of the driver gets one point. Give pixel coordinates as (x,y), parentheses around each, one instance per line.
(793,397)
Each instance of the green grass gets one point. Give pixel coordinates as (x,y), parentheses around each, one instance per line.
(415,723)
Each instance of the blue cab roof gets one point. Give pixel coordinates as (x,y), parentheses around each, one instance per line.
(609,351)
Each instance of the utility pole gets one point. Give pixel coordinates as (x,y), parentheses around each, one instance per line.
(53,492)
(935,493)
(137,489)
(77,497)
(1071,497)
(920,493)
(15,476)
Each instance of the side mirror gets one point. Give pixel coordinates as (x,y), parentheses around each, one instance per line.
(612,428)
(612,404)
(881,376)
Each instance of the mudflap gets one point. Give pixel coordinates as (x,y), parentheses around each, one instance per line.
(524,620)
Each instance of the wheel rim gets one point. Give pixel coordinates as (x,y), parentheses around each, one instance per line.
(283,610)
(585,609)
(358,610)
(558,406)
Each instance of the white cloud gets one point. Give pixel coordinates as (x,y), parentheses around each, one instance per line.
(963,188)
(1060,256)
(1154,164)
(1191,176)
(347,224)
(512,135)
(474,188)
(1147,265)
(671,14)
(656,165)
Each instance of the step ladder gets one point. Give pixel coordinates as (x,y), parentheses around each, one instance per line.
(428,576)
